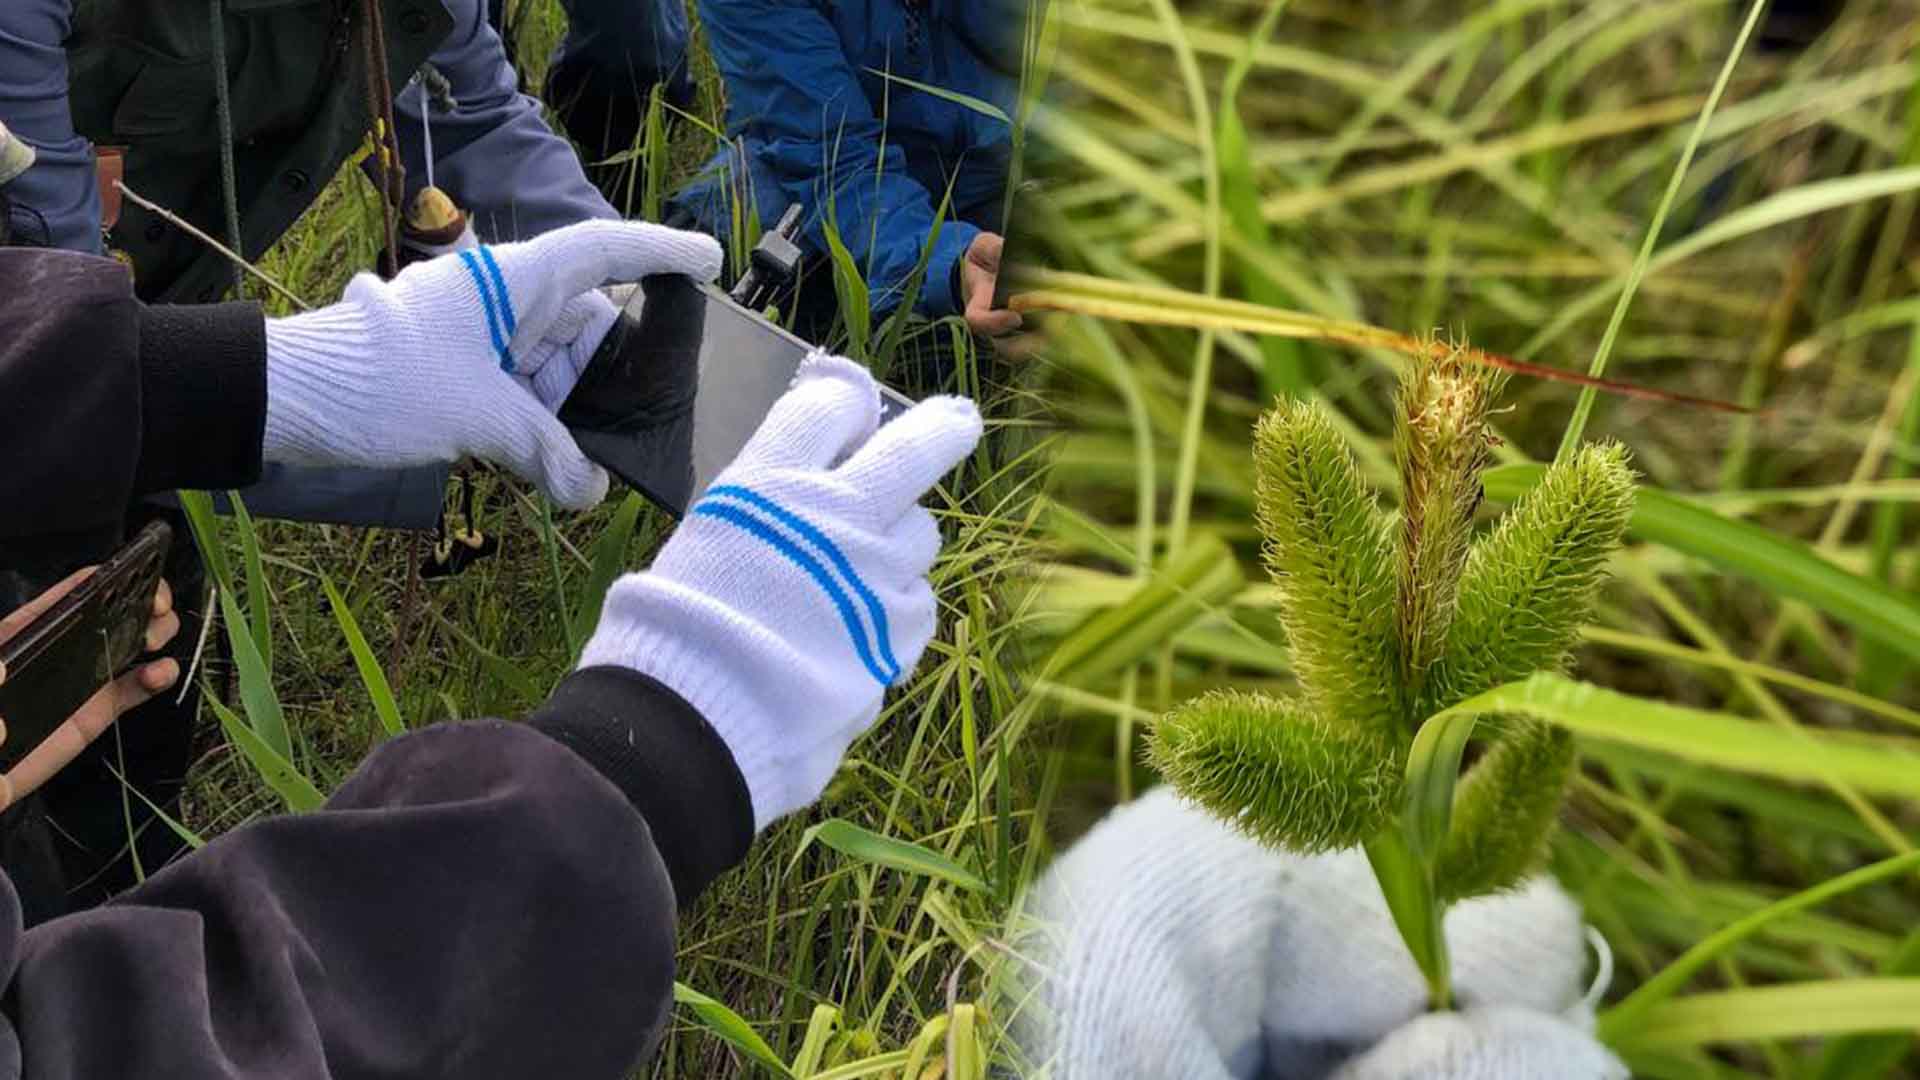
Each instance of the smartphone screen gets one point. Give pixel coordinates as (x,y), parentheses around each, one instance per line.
(683,381)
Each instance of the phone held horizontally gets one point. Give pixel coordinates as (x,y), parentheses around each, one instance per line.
(680,384)
(84,641)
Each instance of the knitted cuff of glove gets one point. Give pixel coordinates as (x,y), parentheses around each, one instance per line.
(731,669)
(307,356)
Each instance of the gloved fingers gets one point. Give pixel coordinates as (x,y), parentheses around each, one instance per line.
(1485,1044)
(909,455)
(562,360)
(912,616)
(916,537)
(557,266)
(527,439)
(833,407)
(1341,973)
(1525,947)
(581,317)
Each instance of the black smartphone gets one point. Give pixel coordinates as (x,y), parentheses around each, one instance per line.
(682,381)
(84,641)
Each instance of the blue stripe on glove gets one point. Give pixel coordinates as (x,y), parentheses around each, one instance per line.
(493,313)
(826,547)
(743,518)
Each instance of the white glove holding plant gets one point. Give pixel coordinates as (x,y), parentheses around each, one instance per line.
(796,592)
(468,354)
(1191,951)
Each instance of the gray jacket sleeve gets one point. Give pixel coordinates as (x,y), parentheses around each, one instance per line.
(33,104)
(493,152)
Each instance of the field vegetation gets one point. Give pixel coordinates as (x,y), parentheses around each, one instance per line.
(1257,202)
(862,939)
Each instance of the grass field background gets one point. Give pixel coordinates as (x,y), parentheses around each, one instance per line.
(1503,173)
(858,940)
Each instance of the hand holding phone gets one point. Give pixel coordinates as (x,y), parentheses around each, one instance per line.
(680,384)
(38,746)
(980,274)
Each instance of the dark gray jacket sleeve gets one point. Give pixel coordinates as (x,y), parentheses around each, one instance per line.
(33,104)
(480,900)
(493,153)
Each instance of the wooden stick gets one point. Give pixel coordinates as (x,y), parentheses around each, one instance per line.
(181,223)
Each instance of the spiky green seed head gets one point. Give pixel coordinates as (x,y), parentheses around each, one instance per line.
(1529,586)
(1329,549)
(1504,811)
(1277,771)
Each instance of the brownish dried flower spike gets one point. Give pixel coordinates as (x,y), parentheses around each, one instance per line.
(1442,446)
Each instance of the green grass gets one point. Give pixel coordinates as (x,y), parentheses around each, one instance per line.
(864,938)
(1567,184)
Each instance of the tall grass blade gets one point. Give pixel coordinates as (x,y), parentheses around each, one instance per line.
(1194,581)
(1577,425)
(1283,371)
(259,603)
(198,506)
(1710,738)
(257,695)
(866,845)
(273,767)
(1627,1015)
(609,559)
(372,675)
(728,1026)
(1792,1011)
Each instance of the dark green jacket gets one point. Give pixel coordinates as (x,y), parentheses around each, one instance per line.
(142,77)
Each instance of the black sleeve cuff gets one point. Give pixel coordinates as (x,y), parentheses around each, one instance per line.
(203,396)
(670,764)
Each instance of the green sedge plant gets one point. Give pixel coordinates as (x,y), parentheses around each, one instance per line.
(1391,619)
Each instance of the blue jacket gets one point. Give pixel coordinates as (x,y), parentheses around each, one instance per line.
(819,124)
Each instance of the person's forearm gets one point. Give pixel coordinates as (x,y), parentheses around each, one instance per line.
(203,396)
(103,398)
(478,900)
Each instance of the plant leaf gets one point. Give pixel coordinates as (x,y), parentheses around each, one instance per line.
(1792,1011)
(1202,576)
(729,1027)
(1710,738)
(259,602)
(293,787)
(869,846)
(609,558)
(372,675)
(257,695)
(1630,1013)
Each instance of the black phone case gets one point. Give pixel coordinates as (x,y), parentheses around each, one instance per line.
(71,650)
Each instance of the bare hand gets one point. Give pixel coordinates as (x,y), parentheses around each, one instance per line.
(979,273)
(134,688)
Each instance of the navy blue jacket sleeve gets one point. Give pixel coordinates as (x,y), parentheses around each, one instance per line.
(493,153)
(792,89)
(33,104)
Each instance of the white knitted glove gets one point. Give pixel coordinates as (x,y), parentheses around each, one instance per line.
(795,592)
(1188,950)
(469,353)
